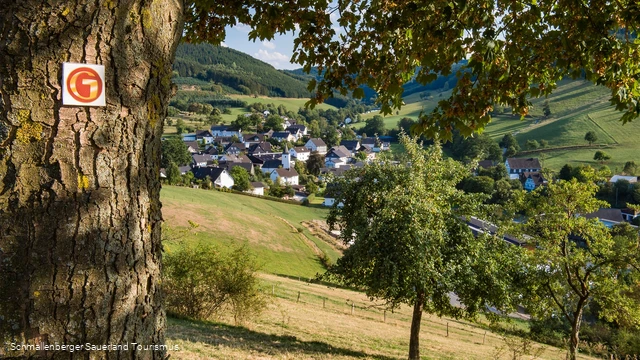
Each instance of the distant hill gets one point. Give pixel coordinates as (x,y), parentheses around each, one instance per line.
(234,71)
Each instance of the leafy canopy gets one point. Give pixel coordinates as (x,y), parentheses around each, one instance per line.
(408,239)
(509,51)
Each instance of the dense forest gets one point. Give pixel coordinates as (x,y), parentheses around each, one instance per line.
(225,70)
(235,71)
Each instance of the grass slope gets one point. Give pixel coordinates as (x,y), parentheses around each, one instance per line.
(268,228)
(320,325)
(290,103)
(576,106)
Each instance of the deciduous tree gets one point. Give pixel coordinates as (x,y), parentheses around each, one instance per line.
(408,242)
(601,156)
(79,206)
(176,151)
(578,262)
(591,137)
(240,178)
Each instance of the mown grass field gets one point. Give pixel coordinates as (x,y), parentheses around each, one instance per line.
(292,104)
(304,320)
(321,325)
(268,228)
(576,106)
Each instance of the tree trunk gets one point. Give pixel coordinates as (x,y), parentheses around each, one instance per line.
(79,189)
(414,338)
(574,340)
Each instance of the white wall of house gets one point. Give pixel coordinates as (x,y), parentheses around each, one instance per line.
(312,147)
(335,162)
(300,156)
(256,191)
(226,133)
(293,180)
(225,180)
(330,202)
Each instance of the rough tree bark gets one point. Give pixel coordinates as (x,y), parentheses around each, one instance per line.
(79,190)
(414,337)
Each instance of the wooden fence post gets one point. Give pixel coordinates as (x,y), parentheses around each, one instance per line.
(298,297)
(385,316)
(447,329)
(484,337)
(323,304)
(352,306)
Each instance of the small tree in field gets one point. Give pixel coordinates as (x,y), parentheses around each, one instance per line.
(408,242)
(591,137)
(532,144)
(630,168)
(601,156)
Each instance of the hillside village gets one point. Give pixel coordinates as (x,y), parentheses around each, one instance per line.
(272,158)
(293,165)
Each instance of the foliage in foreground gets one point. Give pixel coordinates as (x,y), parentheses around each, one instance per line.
(202,282)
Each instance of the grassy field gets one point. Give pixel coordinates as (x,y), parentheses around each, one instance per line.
(268,228)
(304,320)
(290,103)
(576,108)
(321,325)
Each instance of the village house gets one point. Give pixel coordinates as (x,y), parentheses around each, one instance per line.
(200,160)
(330,194)
(227,131)
(219,177)
(192,146)
(213,151)
(629,214)
(316,144)
(188,137)
(517,166)
(223,140)
(337,156)
(284,162)
(260,148)
(204,136)
(257,188)
(252,139)
(298,131)
(300,153)
(289,122)
(287,176)
(283,136)
(235,148)
(234,158)
(375,144)
(631,179)
(532,180)
(352,145)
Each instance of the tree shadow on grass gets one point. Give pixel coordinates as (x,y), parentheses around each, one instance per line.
(238,337)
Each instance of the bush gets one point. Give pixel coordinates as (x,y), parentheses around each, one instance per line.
(202,282)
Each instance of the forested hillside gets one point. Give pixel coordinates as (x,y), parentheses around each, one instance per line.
(234,71)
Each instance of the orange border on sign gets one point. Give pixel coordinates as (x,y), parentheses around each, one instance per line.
(72,86)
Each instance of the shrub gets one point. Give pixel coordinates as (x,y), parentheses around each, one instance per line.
(202,282)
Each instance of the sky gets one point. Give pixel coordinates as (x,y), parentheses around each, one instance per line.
(276,52)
